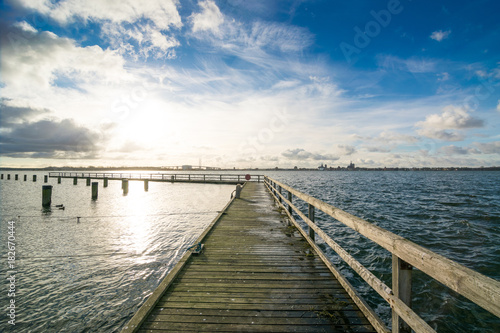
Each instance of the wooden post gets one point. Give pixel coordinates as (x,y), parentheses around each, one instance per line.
(95,189)
(125,186)
(8,177)
(45,179)
(75,181)
(46,195)
(1,176)
(146,185)
(34,178)
(105,182)
(88,181)
(59,180)
(310,212)
(25,177)
(238,191)
(401,287)
(16,177)
(279,197)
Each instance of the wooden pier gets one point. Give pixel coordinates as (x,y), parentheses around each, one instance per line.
(194,177)
(256,273)
(261,271)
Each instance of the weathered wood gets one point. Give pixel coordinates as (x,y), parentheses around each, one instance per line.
(401,285)
(480,289)
(253,264)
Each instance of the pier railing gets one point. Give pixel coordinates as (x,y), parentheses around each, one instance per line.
(194,177)
(478,288)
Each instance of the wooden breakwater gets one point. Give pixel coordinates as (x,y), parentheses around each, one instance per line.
(258,274)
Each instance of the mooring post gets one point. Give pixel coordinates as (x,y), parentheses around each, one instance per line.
(75,181)
(105,182)
(172,178)
(401,287)
(25,177)
(310,212)
(34,178)
(238,191)
(88,181)
(16,177)
(59,180)
(46,195)
(95,189)
(45,179)
(125,186)
(146,185)
(8,177)
(1,176)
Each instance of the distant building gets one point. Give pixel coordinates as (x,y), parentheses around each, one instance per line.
(322,167)
(351,166)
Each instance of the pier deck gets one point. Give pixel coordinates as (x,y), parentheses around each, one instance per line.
(256,273)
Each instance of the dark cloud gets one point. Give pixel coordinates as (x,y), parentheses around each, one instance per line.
(49,139)
(10,115)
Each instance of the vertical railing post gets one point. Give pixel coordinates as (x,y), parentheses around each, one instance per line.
(401,287)
(279,197)
(310,212)
(290,200)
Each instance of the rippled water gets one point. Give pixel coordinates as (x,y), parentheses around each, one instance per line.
(91,276)
(455,214)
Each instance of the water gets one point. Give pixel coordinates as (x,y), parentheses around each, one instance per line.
(455,214)
(91,276)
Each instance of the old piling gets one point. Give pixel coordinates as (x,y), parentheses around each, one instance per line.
(95,187)
(45,179)
(25,177)
(16,177)
(8,177)
(59,180)
(34,178)
(146,185)
(75,181)
(46,195)
(105,182)
(88,181)
(125,186)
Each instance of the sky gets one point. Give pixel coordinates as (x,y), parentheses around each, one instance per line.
(249,84)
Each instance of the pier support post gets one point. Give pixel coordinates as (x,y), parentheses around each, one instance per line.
(146,185)
(125,186)
(34,178)
(25,177)
(401,287)
(88,181)
(45,179)
(95,189)
(172,178)
(310,212)
(105,182)
(8,177)
(46,195)
(75,181)
(1,176)
(59,180)
(16,177)
(238,191)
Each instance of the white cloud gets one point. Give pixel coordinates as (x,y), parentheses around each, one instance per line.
(454,150)
(412,65)
(489,147)
(209,19)
(440,35)
(299,154)
(163,13)
(35,60)
(346,150)
(447,126)
(498,105)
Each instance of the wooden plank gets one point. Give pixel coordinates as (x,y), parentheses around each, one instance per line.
(255,274)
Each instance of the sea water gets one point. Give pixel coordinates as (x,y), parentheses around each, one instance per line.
(92,275)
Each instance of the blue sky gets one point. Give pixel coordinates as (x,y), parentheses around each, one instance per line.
(250,83)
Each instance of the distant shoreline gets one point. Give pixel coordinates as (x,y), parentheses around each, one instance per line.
(195,169)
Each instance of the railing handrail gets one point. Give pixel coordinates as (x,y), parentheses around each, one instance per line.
(157,176)
(478,288)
